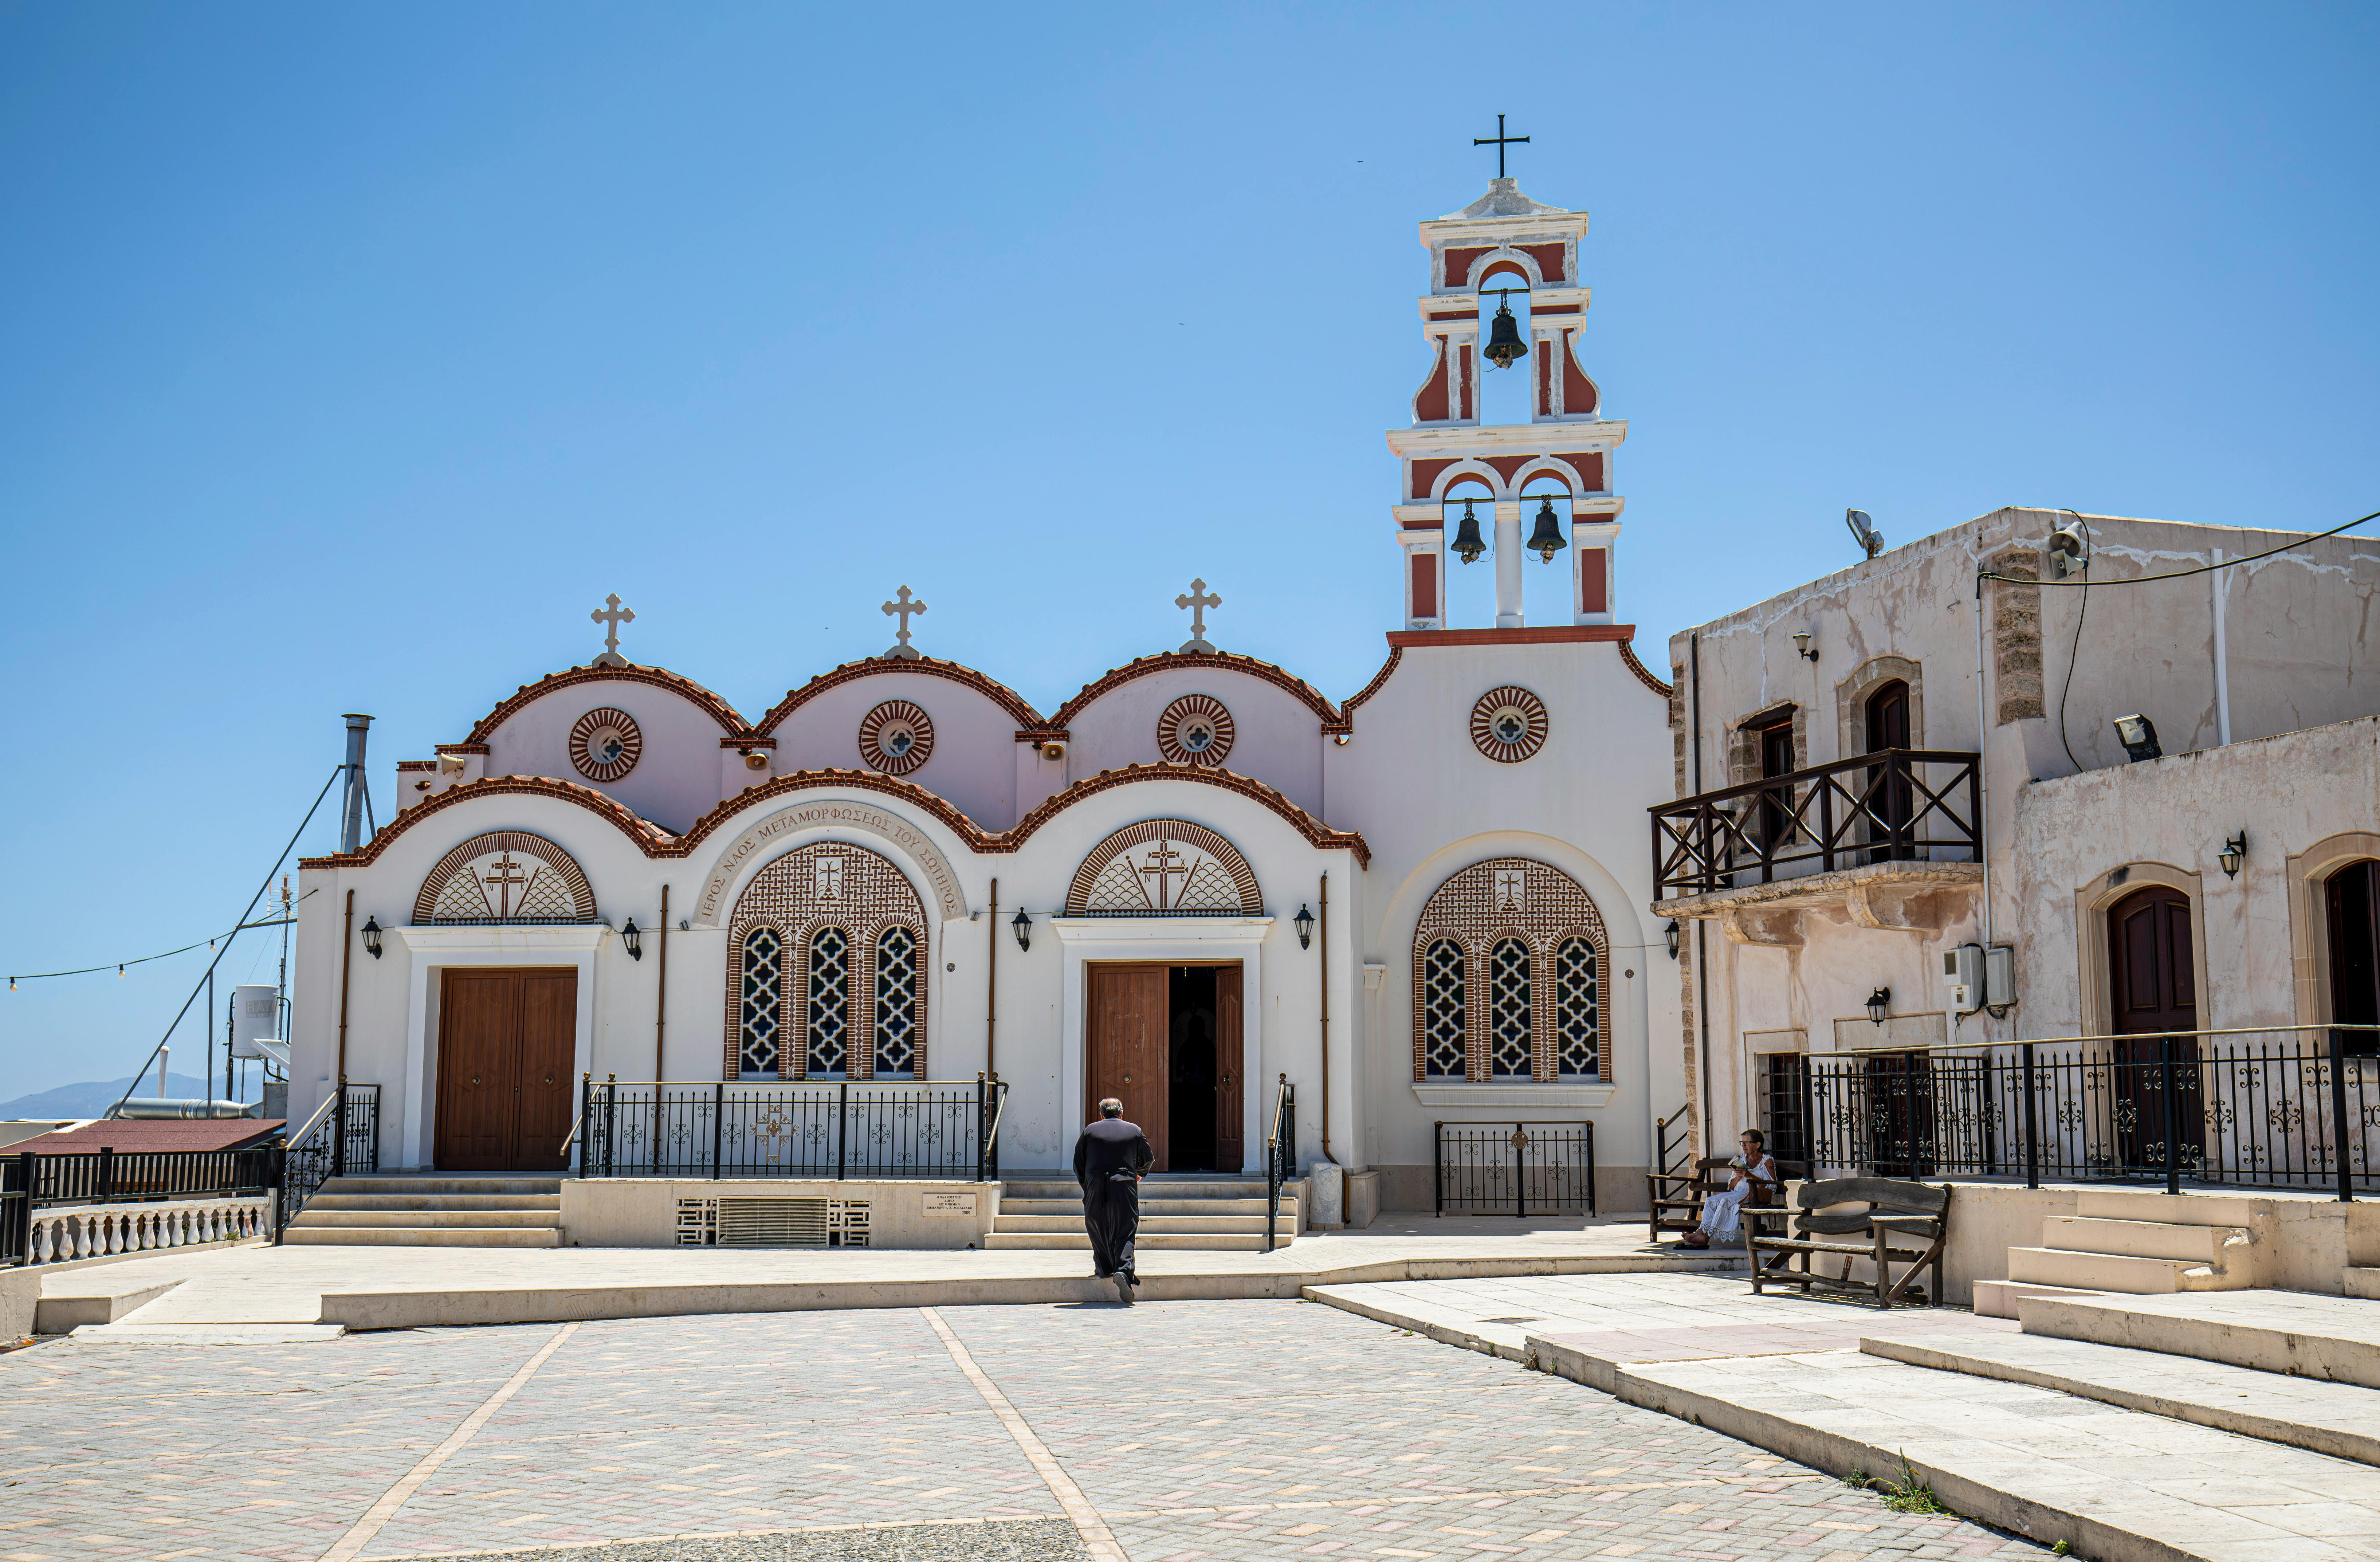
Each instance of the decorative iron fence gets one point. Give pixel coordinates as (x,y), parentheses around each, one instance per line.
(1898,804)
(834,1131)
(16,1209)
(1281,1155)
(2295,1106)
(126,1176)
(331,1144)
(162,1196)
(1515,1169)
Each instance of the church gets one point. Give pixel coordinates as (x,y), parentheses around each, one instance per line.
(1200,885)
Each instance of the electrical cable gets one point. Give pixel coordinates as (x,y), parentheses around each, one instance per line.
(2183,574)
(2076,644)
(120,965)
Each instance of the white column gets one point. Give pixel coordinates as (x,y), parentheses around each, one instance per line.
(1508,564)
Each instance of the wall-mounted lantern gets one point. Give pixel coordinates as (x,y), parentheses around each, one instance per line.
(1024,926)
(1670,933)
(2234,852)
(371,935)
(1880,1005)
(1303,922)
(1801,646)
(634,938)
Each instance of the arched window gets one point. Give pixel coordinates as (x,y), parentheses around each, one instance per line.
(2351,899)
(1442,1008)
(1576,1032)
(1508,1010)
(829,1037)
(763,988)
(897,1004)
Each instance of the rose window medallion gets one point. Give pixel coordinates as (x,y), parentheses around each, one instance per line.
(1195,730)
(895,738)
(1509,724)
(604,744)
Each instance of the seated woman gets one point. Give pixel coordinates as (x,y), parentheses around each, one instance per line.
(1755,1180)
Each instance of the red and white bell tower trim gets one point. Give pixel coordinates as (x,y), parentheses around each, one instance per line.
(1506,239)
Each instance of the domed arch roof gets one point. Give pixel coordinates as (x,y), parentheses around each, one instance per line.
(990,689)
(659,677)
(1180,661)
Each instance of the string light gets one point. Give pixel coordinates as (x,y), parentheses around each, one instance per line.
(119,970)
(123,967)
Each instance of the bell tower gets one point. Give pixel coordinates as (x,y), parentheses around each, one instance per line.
(1500,249)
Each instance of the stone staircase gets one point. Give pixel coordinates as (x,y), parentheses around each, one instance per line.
(1177,1211)
(2133,1244)
(452,1211)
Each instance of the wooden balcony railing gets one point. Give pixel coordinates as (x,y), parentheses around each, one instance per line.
(1904,805)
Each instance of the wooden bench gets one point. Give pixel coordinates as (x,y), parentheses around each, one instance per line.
(1898,1217)
(1676,1197)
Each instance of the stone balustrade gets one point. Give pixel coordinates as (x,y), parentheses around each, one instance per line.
(93,1230)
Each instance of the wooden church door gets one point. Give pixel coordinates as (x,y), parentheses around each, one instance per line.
(1127,1047)
(504,1045)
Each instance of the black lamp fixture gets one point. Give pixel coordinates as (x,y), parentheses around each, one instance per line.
(371,935)
(1304,921)
(1801,646)
(2234,852)
(1024,926)
(1670,933)
(1880,1005)
(2138,734)
(1467,540)
(1546,539)
(634,938)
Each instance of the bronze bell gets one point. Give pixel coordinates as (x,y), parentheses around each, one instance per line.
(1466,536)
(1505,347)
(1546,539)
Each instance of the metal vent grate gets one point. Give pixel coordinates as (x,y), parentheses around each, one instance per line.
(773,1223)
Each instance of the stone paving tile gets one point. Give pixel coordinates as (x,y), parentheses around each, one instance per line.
(1200,1430)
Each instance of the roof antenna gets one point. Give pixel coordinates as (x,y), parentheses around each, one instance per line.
(1864,529)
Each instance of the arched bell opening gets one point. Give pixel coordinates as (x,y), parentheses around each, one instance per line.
(1546,513)
(1506,370)
(1469,507)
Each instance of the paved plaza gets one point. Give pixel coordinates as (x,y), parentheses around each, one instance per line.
(1171,1430)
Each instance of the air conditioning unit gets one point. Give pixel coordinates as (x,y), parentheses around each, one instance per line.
(773,1223)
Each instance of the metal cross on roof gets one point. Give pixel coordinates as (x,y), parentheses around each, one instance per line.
(1499,142)
(612,615)
(902,607)
(1198,600)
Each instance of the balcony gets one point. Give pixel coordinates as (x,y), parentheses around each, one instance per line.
(1872,834)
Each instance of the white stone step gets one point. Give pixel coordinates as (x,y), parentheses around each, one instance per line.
(2166,1209)
(2295,1333)
(492,1183)
(435,1201)
(1150,1225)
(2145,1239)
(2363,1283)
(1010,1242)
(420,1236)
(457,1218)
(1148,1207)
(2339,1419)
(2109,1271)
(1998,1299)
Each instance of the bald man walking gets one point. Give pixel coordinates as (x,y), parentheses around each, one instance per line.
(1111,1158)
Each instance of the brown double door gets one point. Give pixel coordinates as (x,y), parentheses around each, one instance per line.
(1165,1040)
(505,1041)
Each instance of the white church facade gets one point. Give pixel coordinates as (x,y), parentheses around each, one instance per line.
(1424,903)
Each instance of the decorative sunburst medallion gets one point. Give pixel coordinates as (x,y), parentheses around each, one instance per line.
(604,744)
(895,738)
(1509,724)
(1195,730)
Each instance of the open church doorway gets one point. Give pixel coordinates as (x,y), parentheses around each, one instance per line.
(1165,1040)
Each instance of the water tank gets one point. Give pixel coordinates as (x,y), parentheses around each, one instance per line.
(255,1016)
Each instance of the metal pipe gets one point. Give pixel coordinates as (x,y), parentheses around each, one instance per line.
(1983,737)
(992,985)
(347,959)
(660,998)
(1702,926)
(1326,1032)
(351,824)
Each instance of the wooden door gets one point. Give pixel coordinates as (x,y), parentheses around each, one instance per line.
(2351,897)
(1231,1098)
(504,1045)
(1889,798)
(2155,994)
(1128,1048)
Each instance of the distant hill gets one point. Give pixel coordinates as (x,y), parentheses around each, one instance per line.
(91,1097)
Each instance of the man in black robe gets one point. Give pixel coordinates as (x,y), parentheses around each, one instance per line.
(1111,1158)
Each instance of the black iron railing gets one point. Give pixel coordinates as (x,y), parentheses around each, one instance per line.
(2294,1107)
(16,1209)
(341,1139)
(1280,1155)
(128,1176)
(1515,1168)
(1674,1142)
(1898,804)
(835,1131)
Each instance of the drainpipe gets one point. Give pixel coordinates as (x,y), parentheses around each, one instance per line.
(992,985)
(1983,742)
(346,957)
(661,993)
(351,827)
(1702,925)
(1326,1030)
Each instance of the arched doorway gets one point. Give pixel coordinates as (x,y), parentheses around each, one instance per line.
(2352,908)
(1888,799)
(2154,1002)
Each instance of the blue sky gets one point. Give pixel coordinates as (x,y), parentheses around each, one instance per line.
(350,355)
